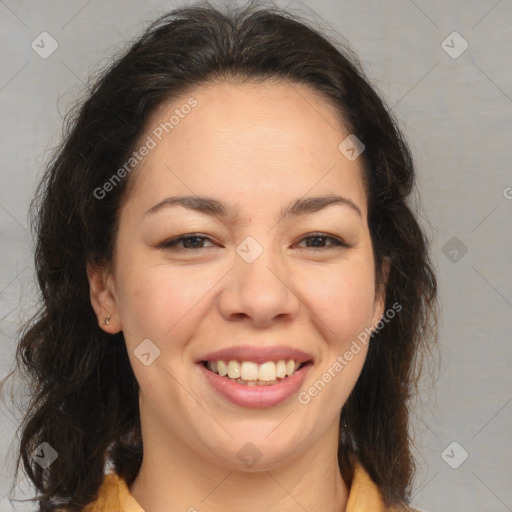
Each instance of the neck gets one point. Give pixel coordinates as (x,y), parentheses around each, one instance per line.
(174,477)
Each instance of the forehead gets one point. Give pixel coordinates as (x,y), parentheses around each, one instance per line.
(253,138)
(276,112)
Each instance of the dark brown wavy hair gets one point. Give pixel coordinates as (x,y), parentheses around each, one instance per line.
(83,393)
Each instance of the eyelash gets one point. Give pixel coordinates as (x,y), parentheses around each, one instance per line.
(172,243)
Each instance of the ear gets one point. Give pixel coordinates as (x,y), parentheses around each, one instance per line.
(103,298)
(380,294)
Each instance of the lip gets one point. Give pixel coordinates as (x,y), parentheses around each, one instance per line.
(258,354)
(256,396)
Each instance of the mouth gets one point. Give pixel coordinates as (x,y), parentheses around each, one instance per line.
(242,386)
(252,374)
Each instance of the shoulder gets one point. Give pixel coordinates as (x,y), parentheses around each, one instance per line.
(365,494)
(113,495)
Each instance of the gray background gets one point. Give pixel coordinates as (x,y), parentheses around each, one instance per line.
(457,114)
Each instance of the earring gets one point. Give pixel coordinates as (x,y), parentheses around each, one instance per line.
(107,320)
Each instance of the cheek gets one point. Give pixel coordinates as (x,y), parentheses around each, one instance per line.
(158,302)
(342,300)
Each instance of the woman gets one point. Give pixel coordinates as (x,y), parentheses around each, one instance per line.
(235,293)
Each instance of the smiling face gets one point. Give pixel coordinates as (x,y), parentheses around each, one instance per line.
(251,277)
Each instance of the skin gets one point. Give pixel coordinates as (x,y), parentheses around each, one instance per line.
(257,147)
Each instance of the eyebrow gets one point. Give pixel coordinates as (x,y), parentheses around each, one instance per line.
(216,208)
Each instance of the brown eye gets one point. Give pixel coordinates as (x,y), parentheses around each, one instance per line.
(318,241)
(190,243)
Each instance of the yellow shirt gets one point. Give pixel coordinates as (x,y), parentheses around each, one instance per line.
(364,495)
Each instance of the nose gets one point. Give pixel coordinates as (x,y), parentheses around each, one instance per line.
(259,292)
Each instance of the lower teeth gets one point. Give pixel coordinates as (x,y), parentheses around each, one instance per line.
(251,383)
(254,382)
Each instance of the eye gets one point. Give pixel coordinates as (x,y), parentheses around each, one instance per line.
(317,238)
(191,242)
(194,242)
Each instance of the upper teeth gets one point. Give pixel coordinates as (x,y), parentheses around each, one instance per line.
(247,370)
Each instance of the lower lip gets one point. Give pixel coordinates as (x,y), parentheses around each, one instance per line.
(256,396)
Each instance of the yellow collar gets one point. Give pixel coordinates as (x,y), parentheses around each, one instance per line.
(364,495)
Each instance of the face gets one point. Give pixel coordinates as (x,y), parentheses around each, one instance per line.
(250,277)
